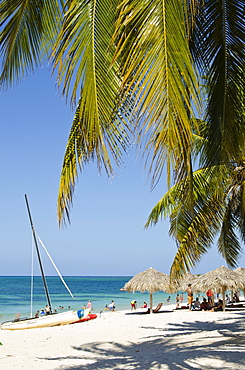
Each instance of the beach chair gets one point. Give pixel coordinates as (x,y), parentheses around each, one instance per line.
(17,317)
(158,307)
(147,310)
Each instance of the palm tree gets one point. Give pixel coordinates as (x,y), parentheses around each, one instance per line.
(211,202)
(127,69)
(135,71)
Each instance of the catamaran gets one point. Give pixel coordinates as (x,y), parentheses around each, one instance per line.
(51,319)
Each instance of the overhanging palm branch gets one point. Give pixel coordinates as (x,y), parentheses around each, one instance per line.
(216,209)
(79,151)
(100,130)
(194,233)
(228,243)
(28,29)
(218,46)
(153,83)
(138,64)
(152,39)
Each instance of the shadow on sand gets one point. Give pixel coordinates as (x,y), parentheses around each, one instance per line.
(147,312)
(173,348)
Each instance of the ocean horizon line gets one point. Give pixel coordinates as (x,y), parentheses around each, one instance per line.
(68,275)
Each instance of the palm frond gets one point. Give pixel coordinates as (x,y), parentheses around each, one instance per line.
(194,226)
(194,233)
(81,149)
(28,29)
(204,185)
(218,46)
(241,220)
(84,55)
(228,243)
(158,71)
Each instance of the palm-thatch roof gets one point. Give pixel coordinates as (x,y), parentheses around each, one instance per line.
(181,284)
(150,281)
(176,285)
(219,280)
(240,270)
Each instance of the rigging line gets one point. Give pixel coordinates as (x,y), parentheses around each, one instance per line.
(61,277)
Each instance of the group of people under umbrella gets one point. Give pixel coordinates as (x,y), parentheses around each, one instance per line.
(219,281)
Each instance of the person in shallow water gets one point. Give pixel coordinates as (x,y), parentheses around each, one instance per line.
(111,306)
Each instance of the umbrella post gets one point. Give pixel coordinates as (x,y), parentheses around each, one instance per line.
(223,296)
(151,300)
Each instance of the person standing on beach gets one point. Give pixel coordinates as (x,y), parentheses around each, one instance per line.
(236,297)
(47,310)
(190,295)
(89,305)
(177,301)
(209,294)
(133,305)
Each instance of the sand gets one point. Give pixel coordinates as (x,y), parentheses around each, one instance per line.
(117,340)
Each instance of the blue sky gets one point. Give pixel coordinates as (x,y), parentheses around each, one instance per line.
(106,235)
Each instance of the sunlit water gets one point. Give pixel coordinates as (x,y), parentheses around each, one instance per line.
(15,294)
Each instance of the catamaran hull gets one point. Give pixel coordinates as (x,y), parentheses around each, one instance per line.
(63,318)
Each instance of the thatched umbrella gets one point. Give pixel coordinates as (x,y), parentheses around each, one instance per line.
(241,271)
(176,285)
(150,281)
(186,279)
(219,280)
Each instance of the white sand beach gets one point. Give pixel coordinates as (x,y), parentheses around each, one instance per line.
(180,339)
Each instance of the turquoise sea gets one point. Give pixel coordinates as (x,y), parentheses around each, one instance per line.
(15,294)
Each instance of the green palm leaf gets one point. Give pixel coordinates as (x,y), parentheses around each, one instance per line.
(158,71)
(228,243)
(194,228)
(194,233)
(203,185)
(218,46)
(84,55)
(28,30)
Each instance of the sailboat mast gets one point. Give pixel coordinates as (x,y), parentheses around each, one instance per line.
(38,255)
